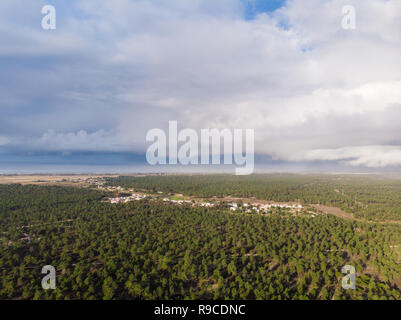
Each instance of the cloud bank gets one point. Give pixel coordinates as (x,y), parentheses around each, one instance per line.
(112,70)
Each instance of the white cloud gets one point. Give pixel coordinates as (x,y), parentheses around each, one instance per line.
(81,140)
(369,156)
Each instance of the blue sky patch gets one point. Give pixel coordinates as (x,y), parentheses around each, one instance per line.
(255,7)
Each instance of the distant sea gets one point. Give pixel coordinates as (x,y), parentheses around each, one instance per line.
(97,163)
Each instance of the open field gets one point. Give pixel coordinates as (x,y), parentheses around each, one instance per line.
(334,211)
(49,179)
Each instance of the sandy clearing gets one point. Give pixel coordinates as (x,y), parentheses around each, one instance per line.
(334,211)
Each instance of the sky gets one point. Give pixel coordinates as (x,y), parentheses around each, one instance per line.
(319,97)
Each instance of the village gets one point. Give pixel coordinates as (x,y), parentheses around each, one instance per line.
(261,207)
(234,205)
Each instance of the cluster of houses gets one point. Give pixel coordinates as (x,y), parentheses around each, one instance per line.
(207,204)
(98,184)
(233,206)
(261,207)
(193,203)
(95,181)
(118,188)
(176,201)
(133,197)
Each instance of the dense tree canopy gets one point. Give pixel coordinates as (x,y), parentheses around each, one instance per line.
(152,250)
